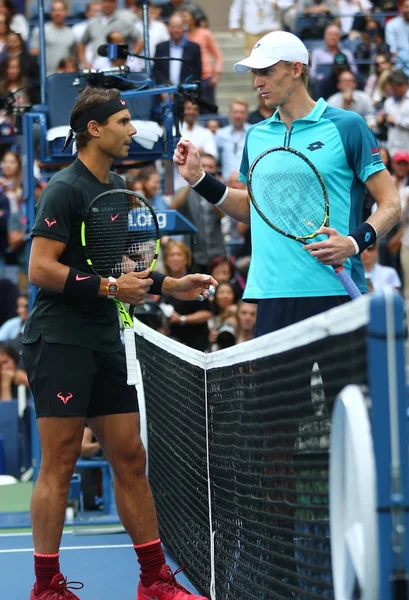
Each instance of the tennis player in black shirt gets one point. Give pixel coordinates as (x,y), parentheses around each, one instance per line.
(75,360)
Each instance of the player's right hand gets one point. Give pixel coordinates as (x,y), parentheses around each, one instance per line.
(133,287)
(187,158)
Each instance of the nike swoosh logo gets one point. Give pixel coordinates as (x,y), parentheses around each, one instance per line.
(149,597)
(114,218)
(79,278)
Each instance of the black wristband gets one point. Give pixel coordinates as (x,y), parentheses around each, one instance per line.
(158,278)
(211,189)
(79,283)
(365,235)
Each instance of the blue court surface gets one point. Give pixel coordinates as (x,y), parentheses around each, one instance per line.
(105,564)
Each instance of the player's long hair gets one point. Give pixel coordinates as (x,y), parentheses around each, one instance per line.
(88,99)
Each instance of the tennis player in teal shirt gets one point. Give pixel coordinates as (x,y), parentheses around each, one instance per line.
(290,282)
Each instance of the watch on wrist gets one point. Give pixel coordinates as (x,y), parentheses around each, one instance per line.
(112,288)
(183,319)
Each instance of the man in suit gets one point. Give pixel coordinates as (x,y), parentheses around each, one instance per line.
(174,71)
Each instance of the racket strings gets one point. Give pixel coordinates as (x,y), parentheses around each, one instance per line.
(289,194)
(120,234)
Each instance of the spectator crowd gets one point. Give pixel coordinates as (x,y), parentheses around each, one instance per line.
(359,62)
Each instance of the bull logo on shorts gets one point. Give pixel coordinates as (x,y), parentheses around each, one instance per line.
(65,398)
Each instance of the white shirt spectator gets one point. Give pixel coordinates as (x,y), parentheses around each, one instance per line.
(11,329)
(397,34)
(203,139)
(258,16)
(78,30)
(230,144)
(398,134)
(175,66)
(20,25)
(382,277)
(158,32)
(347,10)
(361,104)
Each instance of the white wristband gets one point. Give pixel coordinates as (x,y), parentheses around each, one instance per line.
(354,243)
(197,182)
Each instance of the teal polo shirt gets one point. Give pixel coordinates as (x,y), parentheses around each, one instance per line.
(345,152)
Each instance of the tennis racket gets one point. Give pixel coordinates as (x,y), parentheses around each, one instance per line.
(120,234)
(290,195)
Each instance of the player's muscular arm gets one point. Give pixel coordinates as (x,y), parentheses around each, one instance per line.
(237,202)
(388,211)
(337,248)
(237,205)
(46,271)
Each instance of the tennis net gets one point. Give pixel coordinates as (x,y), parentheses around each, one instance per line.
(239,449)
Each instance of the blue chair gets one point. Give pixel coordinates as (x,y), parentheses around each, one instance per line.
(33,10)
(9,432)
(350,44)
(223,119)
(75,494)
(78,8)
(302,24)
(2,457)
(312,44)
(107,485)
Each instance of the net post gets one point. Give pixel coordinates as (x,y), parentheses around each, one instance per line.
(386,367)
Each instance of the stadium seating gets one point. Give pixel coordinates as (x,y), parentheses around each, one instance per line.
(61,93)
(10,434)
(107,488)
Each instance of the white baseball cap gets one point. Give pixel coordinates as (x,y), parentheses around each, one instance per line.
(273,47)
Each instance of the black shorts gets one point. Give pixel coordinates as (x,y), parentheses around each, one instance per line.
(69,381)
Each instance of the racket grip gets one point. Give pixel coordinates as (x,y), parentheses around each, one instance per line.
(347,281)
(131,358)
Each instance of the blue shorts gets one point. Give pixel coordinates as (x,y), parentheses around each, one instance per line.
(276,313)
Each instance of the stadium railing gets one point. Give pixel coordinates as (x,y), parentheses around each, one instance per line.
(239,451)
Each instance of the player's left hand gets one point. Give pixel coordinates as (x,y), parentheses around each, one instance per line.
(190,287)
(333,251)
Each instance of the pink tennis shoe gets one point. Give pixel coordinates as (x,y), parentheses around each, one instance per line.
(58,589)
(166,588)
